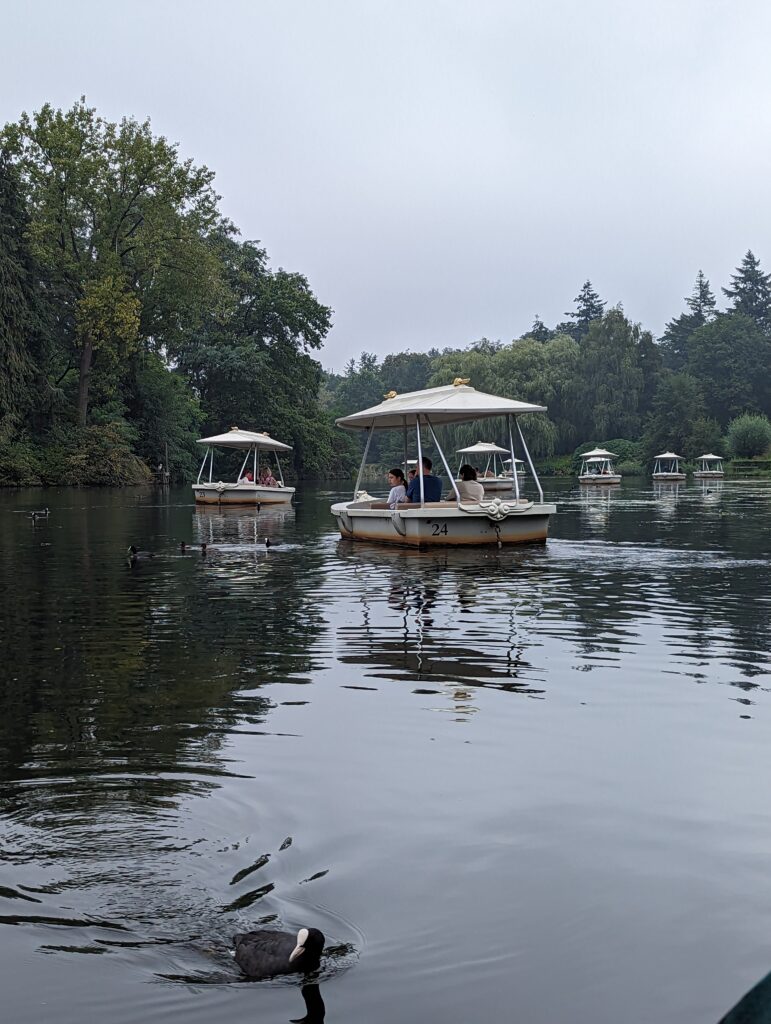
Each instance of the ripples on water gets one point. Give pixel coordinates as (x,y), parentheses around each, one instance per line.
(527,783)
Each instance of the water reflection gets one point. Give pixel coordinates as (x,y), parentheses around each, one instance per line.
(185,752)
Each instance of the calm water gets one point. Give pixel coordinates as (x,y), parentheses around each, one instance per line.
(529,785)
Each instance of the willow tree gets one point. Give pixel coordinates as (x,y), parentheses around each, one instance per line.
(119,222)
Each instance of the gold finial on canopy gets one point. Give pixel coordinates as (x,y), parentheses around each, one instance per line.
(390,394)
(460,381)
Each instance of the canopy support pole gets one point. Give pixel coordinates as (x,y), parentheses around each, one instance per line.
(211,463)
(203,465)
(420,465)
(404,430)
(444,460)
(530,462)
(243,465)
(278,464)
(363,461)
(514,473)
(254,470)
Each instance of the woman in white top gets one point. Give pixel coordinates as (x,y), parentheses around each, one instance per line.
(469,487)
(397,492)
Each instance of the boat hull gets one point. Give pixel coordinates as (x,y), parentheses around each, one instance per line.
(598,479)
(708,474)
(669,476)
(238,494)
(443,524)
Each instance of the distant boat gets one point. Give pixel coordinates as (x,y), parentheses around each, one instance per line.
(493,477)
(246,489)
(667,467)
(597,468)
(710,468)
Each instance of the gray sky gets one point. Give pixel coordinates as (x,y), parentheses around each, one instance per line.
(442,171)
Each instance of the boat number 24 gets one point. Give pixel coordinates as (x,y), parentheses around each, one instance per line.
(438,529)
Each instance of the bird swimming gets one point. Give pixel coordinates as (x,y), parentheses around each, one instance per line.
(265,953)
(268,542)
(139,556)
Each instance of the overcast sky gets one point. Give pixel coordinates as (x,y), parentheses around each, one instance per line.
(442,171)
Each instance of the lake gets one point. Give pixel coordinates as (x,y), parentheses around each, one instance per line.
(526,785)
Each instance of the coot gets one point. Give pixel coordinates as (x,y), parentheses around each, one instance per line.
(263,954)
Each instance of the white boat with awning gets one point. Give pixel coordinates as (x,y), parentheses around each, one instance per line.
(494,476)
(513,519)
(255,483)
(710,468)
(597,468)
(667,467)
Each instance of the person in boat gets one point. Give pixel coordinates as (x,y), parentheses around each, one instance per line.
(469,487)
(266,478)
(247,477)
(411,476)
(432,485)
(398,490)
(488,474)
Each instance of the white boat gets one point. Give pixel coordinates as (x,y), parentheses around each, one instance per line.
(667,467)
(710,468)
(597,468)
(242,491)
(513,519)
(493,477)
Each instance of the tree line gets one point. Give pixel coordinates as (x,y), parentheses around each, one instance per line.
(135,318)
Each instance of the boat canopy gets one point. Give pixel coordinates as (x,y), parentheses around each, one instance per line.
(668,455)
(711,458)
(482,448)
(520,461)
(245,439)
(455,403)
(597,458)
(599,453)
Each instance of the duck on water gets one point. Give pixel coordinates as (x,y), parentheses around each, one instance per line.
(264,954)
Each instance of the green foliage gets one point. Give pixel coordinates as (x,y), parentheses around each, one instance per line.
(677,408)
(749,435)
(705,437)
(589,307)
(678,332)
(751,291)
(730,358)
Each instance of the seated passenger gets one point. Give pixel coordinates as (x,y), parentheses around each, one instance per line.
(396,494)
(247,477)
(469,487)
(432,485)
(266,478)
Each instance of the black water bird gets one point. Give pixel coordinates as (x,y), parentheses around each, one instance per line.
(263,954)
(139,556)
(268,542)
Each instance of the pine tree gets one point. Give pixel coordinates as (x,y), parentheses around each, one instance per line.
(678,332)
(589,307)
(751,291)
(539,330)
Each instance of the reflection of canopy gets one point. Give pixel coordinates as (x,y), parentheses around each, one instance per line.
(669,455)
(482,448)
(453,404)
(599,453)
(711,458)
(236,438)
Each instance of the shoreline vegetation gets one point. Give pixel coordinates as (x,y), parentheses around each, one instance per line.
(134,319)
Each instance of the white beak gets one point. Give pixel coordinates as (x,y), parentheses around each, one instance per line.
(302,938)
